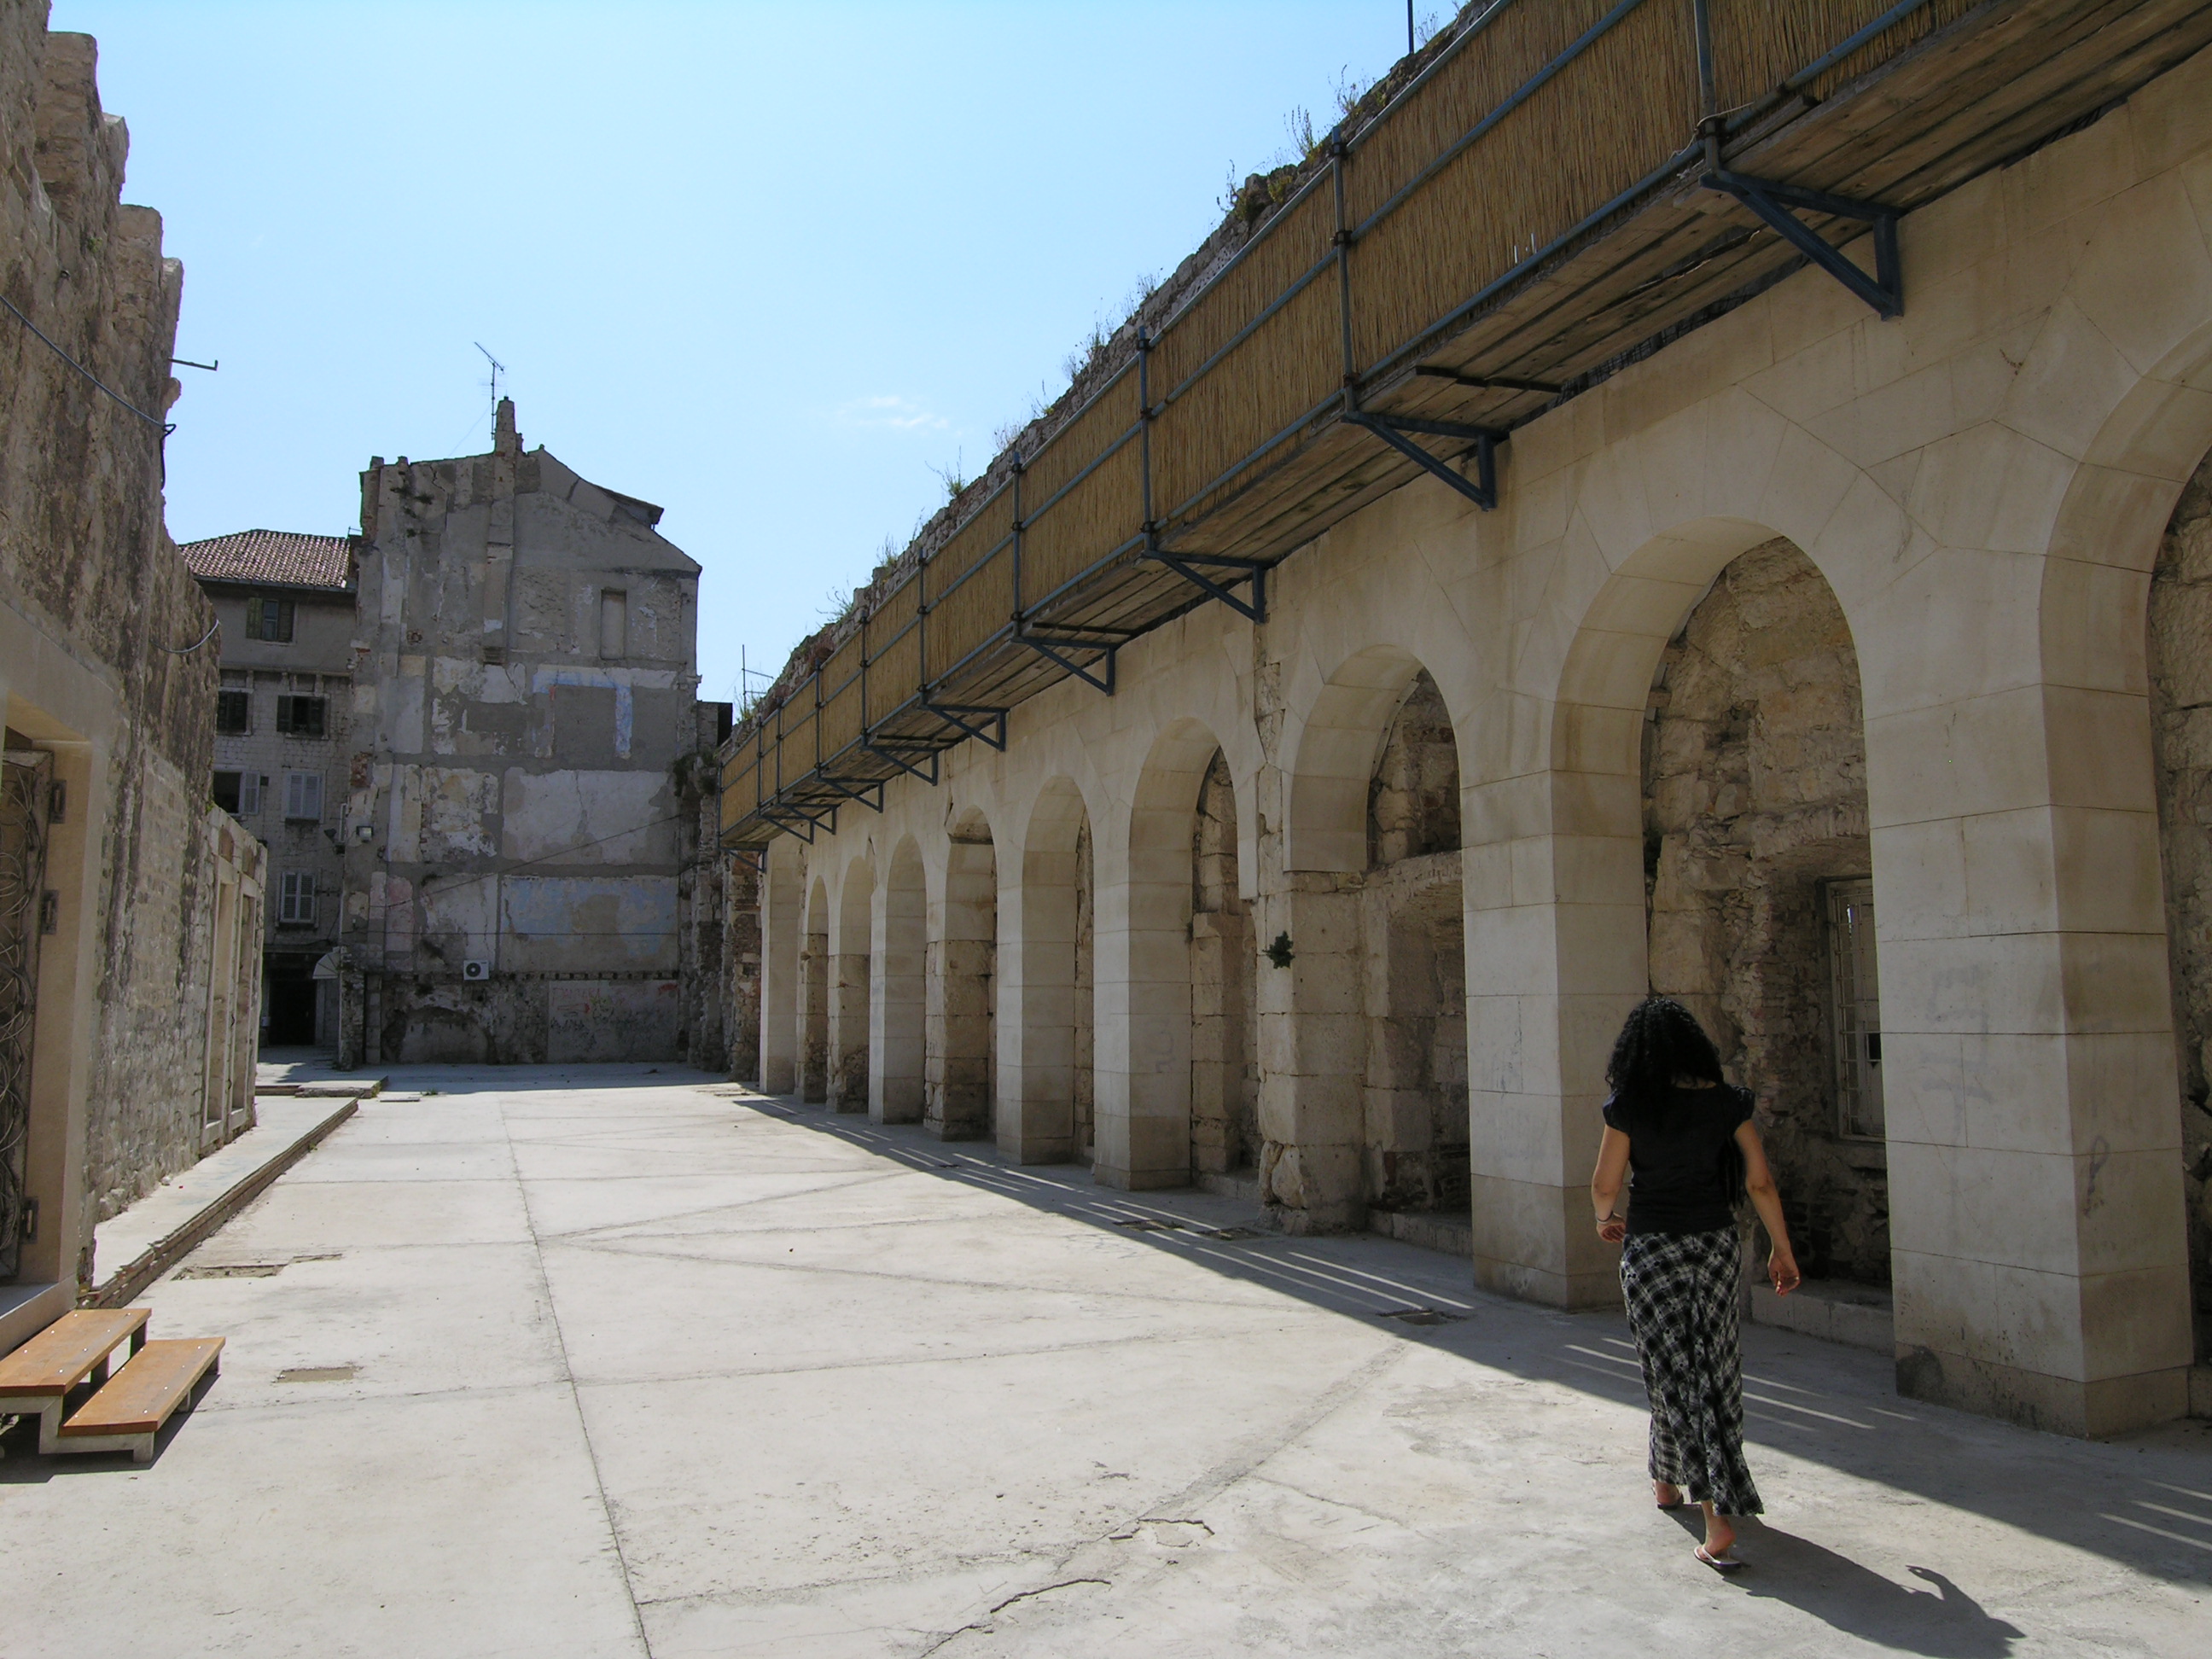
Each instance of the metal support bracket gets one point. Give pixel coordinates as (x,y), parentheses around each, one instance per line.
(890,750)
(859,791)
(1056,650)
(954,713)
(1180,563)
(806,822)
(1884,290)
(1392,429)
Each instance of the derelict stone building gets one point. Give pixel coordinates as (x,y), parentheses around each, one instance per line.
(130,909)
(1708,496)
(528,761)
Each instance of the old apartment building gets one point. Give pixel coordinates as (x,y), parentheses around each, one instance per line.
(130,907)
(285,604)
(1764,566)
(520,817)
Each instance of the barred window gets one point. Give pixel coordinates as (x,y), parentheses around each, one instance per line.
(302,717)
(269,619)
(295,896)
(233,713)
(303,795)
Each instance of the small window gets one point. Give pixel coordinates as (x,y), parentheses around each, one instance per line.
(233,713)
(250,785)
(1857,999)
(227,788)
(295,896)
(303,796)
(302,717)
(269,619)
(614,623)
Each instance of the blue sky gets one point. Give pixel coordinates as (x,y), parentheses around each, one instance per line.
(775,267)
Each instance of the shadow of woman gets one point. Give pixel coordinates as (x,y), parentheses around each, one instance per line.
(1944,1623)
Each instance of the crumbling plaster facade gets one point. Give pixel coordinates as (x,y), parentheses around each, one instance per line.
(525,795)
(1982,488)
(134,953)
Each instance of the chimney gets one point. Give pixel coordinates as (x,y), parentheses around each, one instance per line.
(505,440)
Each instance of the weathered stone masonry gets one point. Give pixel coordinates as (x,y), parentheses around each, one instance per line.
(147,951)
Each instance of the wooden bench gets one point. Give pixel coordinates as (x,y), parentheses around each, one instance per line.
(74,1349)
(131,1405)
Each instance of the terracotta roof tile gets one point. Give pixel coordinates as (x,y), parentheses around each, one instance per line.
(272,555)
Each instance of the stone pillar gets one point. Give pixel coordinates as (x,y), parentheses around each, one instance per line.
(1143,1034)
(1312,1053)
(2038,1250)
(1552,878)
(778,1023)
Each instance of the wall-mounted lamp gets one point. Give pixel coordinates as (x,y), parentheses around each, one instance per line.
(1279,952)
(366,832)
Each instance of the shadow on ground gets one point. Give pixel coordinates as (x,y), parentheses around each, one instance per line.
(2144,1500)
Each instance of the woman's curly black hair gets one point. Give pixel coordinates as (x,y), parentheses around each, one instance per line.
(1660,1042)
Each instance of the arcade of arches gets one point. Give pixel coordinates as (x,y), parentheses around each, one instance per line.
(1851,680)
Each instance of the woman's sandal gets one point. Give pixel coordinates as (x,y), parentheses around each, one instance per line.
(1681,1499)
(1723,1563)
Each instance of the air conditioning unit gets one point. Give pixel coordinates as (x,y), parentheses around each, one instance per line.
(476,969)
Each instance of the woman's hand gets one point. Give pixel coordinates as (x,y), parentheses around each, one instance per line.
(1612,1230)
(1782,1268)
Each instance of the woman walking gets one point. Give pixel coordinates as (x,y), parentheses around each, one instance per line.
(1684,1137)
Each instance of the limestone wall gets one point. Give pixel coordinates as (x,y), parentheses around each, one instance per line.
(106,661)
(2180,664)
(1755,794)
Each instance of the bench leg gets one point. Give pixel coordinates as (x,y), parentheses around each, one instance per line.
(50,1423)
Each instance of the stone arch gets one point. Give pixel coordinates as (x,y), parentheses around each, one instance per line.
(849,990)
(1224,1095)
(814,994)
(1144,990)
(897,1015)
(1047,986)
(961,1050)
(1333,773)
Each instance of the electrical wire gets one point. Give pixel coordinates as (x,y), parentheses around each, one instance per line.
(151,420)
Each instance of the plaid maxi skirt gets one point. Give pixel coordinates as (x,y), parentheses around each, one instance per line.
(1681,1290)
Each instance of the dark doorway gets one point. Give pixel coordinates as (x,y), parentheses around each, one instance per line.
(288,1013)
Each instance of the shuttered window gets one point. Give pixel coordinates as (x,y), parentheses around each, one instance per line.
(303,795)
(269,619)
(302,717)
(233,713)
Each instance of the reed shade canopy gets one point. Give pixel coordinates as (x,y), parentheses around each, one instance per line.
(1523,214)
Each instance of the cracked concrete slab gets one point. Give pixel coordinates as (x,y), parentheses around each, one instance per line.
(776,1382)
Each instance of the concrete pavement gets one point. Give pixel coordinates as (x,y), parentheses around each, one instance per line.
(606,1360)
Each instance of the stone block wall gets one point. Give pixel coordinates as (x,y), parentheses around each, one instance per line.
(117,668)
(2179,659)
(1754,795)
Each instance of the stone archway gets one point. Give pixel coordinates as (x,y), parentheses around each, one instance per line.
(814,995)
(1759,876)
(849,990)
(961,1049)
(898,1012)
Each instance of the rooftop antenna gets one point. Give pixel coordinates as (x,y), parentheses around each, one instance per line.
(498,369)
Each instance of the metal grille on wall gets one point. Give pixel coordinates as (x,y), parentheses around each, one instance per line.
(25,787)
(1558,187)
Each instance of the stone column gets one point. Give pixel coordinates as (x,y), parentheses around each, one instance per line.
(848,979)
(895,998)
(2037,1248)
(1554,888)
(1144,1027)
(1312,1053)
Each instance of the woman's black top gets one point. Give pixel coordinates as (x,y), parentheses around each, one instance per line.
(1681,1158)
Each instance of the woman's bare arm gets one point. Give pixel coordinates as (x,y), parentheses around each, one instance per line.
(1605,1184)
(1759,1182)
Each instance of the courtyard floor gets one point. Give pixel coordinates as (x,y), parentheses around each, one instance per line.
(610,1360)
